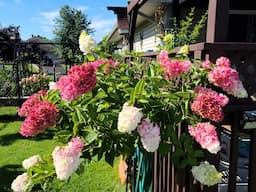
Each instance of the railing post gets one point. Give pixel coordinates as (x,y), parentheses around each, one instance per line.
(234,152)
(252,164)
(217,25)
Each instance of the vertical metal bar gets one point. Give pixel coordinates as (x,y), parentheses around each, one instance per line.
(155,172)
(164,174)
(54,72)
(16,60)
(168,183)
(160,173)
(234,152)
(252,165)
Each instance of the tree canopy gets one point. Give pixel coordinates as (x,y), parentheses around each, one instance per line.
(68,27)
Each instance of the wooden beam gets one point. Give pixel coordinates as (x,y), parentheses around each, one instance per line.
(217,25)
(132,25)
(132,11)
(134,4)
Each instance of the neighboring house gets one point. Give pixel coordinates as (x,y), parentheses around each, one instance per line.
(230,30)
(146,20)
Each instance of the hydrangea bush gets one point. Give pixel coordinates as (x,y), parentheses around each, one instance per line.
(105,108)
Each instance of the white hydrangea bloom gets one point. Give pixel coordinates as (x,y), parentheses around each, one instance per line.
(64,165)
(206,174)
(129,118)
(240,91)
(21,183)
(86,43)
(31,161)
(52,85)
(150,135)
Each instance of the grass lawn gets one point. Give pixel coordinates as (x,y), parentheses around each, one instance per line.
(14,148)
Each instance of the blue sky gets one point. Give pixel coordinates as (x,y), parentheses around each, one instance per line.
(37,16)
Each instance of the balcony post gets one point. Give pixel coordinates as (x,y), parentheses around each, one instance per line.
(217,24)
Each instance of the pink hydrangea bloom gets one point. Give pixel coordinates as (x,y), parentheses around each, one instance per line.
(223,62)
(67,159)
(76,145)
(108,62)
(149,135)
(30,103)
(206,64)
(225,77)
(163,58)
(80,80)
(173,68)
(208,103)
(42,116)
(206,135)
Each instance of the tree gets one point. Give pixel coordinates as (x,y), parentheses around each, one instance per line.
(68,27)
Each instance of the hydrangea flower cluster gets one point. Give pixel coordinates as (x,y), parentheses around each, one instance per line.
(129,118)
(108,62)
(206,64)
(80,80)
(67,159)
(207,103)
(206,174)
(223,76)
(149,135)
(43,115)
(21,183)
(31,161)
(173,68)
(86,43)
(30,103)
(206,135)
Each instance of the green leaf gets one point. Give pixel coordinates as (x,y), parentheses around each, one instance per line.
(92,136)
(80,115)
(198,153)
(109,157)
(90,57)
(137,90)
(80,169)
(164,148)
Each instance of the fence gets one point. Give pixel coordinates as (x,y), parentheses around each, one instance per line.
(23,69)
(237,158)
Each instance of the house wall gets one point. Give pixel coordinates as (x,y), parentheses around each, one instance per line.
(145,38)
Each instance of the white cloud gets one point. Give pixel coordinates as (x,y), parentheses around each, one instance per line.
(47,20)
(102,27)
(82,8)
